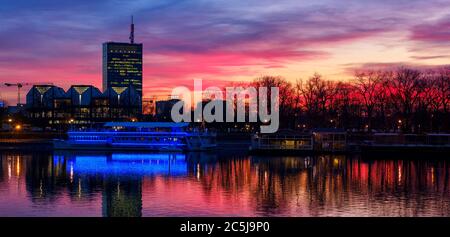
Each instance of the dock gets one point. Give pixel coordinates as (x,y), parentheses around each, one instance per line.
(318,141)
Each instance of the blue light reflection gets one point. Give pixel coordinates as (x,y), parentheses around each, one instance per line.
(130,164)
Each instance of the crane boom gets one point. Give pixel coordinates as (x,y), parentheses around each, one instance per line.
(19,85)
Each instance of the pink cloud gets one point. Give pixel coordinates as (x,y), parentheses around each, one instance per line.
(436,32)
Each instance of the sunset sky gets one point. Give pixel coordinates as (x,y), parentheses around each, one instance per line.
(220,41)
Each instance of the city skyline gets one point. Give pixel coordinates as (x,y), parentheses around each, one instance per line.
(251,116)
(221,42)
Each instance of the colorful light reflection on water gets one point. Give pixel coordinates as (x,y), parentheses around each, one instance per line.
(125,164)
(204,184)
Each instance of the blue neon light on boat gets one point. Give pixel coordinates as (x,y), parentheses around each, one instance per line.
(153,136)
(149,157)
(127,133)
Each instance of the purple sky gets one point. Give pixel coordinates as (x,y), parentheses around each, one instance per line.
(221,41)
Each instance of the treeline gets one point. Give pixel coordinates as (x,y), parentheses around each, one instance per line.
(405,99)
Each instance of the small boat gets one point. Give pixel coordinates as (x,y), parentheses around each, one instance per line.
(151,136)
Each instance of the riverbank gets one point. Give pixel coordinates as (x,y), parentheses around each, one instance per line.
(242,142)
(26,144)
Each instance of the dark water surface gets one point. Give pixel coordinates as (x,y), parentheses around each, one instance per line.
(213,184)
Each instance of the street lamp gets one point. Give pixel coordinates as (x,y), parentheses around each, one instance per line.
(399,124)
(332,123)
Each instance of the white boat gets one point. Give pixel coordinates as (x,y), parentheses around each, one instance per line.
(153,136)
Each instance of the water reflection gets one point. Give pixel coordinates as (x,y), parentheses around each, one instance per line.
(204,184)
(125,164)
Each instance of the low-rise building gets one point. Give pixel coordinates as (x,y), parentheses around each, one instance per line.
(164,109)
(49,105)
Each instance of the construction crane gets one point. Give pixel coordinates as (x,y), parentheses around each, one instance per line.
(19,86)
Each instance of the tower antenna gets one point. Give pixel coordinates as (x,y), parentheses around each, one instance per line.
(132,31)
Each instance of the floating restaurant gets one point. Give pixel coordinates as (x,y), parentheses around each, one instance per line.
(317,140)
(286,140)
(332,140)
(151,136)
(399,143)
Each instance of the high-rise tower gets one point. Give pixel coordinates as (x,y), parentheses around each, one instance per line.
(122,65)
(132,31)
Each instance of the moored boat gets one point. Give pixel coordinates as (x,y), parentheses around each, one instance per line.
(407,144)
(152,136)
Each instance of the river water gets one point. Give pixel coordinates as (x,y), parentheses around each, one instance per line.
(220,184)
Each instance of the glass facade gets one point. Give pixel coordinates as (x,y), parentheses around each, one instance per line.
(122,66)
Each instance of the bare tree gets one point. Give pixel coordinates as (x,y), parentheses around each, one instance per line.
(442,84)
(414,100)
(344,104)
(286,96)
(439,98)
(405,89)
(316,95)
(368,85)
